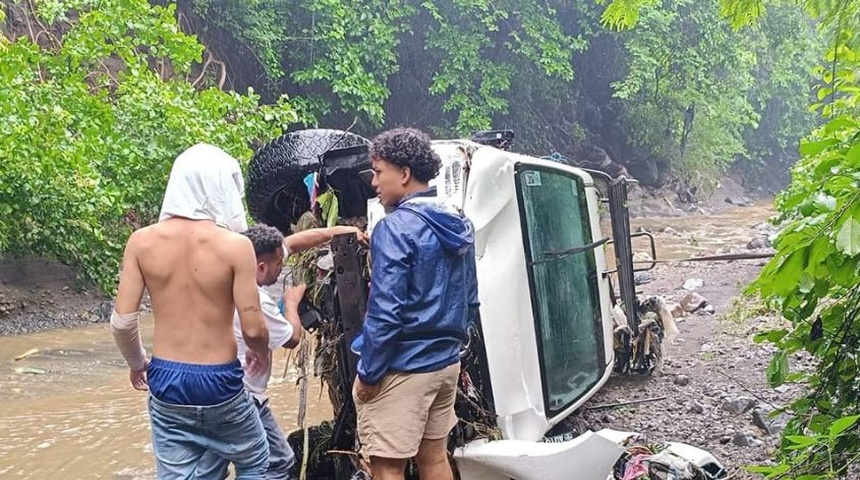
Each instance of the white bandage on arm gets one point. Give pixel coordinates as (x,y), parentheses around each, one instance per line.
(126,334)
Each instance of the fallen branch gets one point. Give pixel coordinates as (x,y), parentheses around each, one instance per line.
(622,404)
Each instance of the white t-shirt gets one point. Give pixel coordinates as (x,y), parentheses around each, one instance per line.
(280,332)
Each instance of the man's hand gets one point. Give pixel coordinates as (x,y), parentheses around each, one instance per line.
(293,295)
(314,237)
(138,378)
(255,364)
(365,392)
(342,229)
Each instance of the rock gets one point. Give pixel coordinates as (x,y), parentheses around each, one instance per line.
(101,312)
(782,389)
(695,407)
(725,439)
(741,439)
(676,309)
(693,283)
(692,301)
(669,231)
(682,380)
(739,405)
(765,228)
(642,257)
(759,419)
(758,243)
(739,201)
(641,278)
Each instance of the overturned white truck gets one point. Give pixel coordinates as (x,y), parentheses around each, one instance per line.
(546,340)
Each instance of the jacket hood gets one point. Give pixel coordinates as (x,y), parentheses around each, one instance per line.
(206,184)
(454,231)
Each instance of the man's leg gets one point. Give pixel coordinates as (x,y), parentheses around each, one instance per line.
(432,460)
(390,426)
(211,467)
(236,434)
(388,468)
(177,449)
(432,457)
(281,456)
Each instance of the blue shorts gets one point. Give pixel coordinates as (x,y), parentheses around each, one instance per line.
(191,384)
(182,434)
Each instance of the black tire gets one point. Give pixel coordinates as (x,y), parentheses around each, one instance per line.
(275,189)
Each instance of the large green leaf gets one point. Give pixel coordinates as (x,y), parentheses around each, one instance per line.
(848,238)
(842,424)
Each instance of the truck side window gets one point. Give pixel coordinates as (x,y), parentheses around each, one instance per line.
(565,298)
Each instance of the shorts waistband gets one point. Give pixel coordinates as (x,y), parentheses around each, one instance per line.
(240,398)
(194,367)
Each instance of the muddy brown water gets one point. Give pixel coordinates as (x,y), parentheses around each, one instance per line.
(68,410)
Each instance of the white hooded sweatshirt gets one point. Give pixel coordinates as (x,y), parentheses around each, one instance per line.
(206,184)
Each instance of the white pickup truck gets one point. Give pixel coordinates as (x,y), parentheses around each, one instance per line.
(549,336)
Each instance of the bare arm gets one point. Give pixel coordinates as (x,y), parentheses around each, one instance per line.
(124,321)
(130,289)
(247,299)
(292,297)
(314,237)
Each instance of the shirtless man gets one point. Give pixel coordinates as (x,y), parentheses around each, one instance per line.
(284,332)
(198,271)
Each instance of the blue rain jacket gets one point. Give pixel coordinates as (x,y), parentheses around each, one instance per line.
(423,290)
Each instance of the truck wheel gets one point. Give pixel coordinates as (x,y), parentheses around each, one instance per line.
(275,188)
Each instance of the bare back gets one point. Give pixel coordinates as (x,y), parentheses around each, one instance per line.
(190,270)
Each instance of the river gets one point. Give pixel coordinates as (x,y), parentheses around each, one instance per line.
(68,410)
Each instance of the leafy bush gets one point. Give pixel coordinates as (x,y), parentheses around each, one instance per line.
(90,122)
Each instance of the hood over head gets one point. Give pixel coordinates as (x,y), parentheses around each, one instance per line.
(206,184)
(454,231)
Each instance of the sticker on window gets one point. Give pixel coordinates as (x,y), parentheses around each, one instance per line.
(532,179)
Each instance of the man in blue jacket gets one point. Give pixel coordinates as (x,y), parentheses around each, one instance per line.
(422,295)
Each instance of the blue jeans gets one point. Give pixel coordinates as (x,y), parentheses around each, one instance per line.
(281,456)
(182,434)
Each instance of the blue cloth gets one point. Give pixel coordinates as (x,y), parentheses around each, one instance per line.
(182,434)
(281,456)
(190,384)
(423,289)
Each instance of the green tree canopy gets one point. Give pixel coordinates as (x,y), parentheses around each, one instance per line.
(91,120)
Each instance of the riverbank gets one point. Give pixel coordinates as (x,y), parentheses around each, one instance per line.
(710,393)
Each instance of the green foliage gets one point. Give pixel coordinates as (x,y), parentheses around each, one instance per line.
(481,47)
(91,121)
(343,54)
(787,48)
(813,277)
(353,51)
(624,14)
(686,90)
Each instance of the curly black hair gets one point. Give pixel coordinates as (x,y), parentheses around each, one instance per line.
(266,239)
(407,147)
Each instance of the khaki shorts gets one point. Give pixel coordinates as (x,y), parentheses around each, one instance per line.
(408,408)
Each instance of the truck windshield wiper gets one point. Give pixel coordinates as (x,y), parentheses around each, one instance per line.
(553,255)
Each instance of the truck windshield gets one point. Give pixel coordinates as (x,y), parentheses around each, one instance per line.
(564,288)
